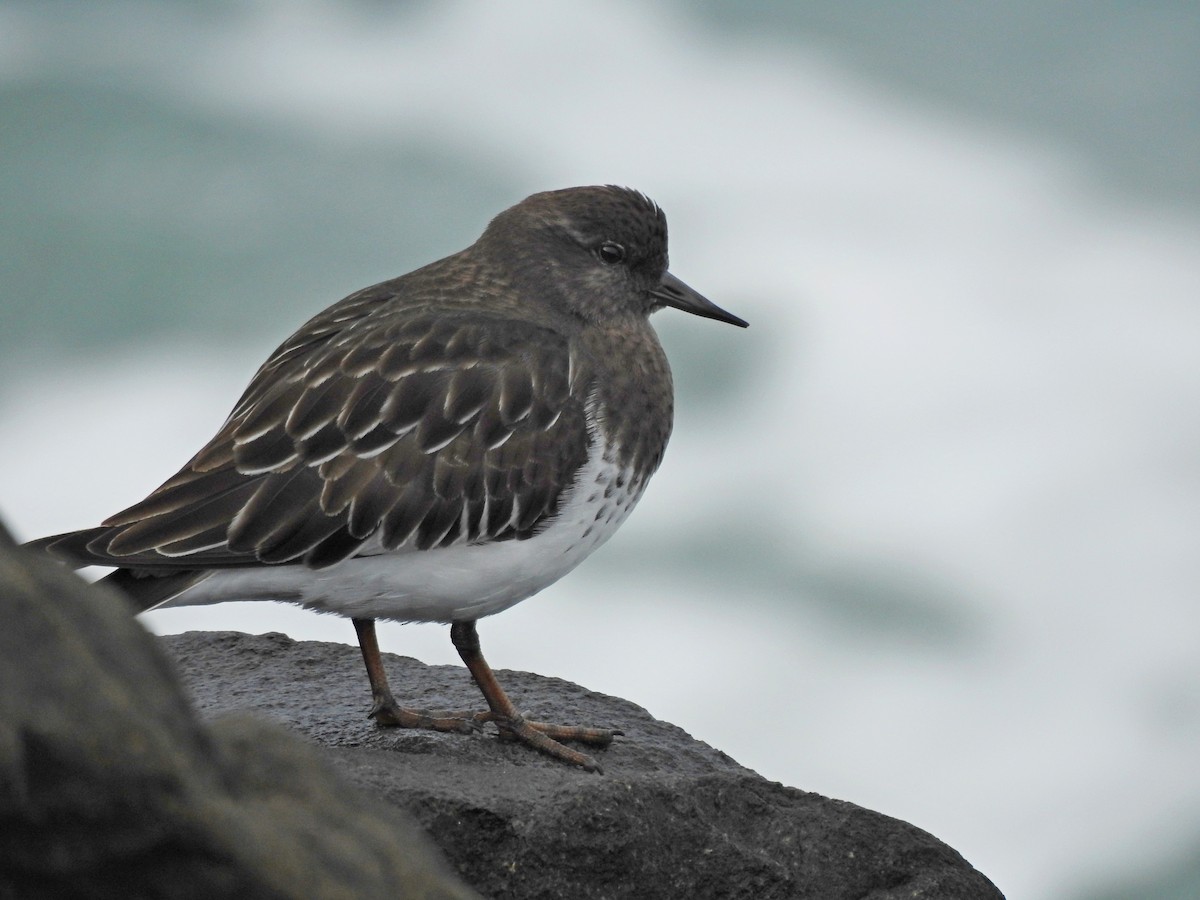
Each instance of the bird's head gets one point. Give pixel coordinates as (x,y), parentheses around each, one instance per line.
(597,253)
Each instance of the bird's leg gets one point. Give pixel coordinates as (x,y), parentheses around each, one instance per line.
(385,710)
(512,724)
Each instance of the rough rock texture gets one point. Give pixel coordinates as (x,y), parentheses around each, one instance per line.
(111,787)
(670,816)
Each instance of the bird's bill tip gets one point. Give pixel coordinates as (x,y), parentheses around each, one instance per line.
(674,293)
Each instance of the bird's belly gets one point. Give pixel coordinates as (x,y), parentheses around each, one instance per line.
(455,583)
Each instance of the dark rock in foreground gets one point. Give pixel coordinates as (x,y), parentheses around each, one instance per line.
(111,787)
(670,816)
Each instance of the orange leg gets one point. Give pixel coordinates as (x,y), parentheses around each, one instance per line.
(512,724)
(385,710)
(540,735)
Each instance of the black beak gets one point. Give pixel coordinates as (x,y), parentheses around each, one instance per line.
(673,292)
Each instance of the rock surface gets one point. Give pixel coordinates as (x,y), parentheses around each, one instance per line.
(112,787)
(670,816)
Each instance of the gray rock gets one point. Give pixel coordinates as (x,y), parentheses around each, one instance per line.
(111,787)
(670,816)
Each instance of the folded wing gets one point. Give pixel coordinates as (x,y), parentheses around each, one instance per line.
(393,432)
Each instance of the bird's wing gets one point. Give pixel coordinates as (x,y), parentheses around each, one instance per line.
(415,431)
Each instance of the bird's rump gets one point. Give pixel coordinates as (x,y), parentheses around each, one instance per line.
(398,430)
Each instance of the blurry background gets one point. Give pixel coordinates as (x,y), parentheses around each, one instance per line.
(926,536)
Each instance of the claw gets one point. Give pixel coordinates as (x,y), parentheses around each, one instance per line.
(388,712)
(511,724)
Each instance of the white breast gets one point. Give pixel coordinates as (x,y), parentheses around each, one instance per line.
(458,583)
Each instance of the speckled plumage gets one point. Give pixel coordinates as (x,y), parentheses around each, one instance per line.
(430,447)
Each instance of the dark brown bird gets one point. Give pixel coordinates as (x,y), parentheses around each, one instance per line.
(437,447)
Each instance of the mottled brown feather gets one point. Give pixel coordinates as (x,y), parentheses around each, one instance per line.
(447,405)
(337,452)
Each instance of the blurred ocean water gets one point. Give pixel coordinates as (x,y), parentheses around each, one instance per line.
(926,536)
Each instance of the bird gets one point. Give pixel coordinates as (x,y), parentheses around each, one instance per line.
(434,448)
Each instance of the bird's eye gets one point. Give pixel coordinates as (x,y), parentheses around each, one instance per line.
(611,253)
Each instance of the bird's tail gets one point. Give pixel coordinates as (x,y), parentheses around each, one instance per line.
(71,547)
(145,589)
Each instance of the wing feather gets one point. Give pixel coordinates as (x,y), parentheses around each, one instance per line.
(384,428)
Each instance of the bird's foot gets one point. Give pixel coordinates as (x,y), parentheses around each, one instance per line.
(597,737)
(546,737)
(386,711)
